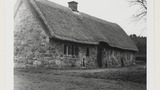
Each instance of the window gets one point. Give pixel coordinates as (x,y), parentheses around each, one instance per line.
(87,52)
(73,50)
(76,50)
(65,49)
(70,50)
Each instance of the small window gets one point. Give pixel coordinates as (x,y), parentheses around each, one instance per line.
(70,50)
(87,52)
(65,49)
(76,50)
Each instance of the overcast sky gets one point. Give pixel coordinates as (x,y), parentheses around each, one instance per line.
(116,11)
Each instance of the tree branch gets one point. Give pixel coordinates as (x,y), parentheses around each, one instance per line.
(142,12)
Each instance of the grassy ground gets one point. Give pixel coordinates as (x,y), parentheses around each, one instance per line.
(131,78)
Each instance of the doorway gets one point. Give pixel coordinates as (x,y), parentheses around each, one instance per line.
(83,63)
(99,56)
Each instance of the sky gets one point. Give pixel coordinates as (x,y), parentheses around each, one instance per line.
(116,11)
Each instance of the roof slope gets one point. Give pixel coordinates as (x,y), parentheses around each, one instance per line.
(79,27)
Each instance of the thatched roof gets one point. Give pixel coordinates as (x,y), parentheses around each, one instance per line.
(65,24)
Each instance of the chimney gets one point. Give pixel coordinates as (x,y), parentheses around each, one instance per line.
(73,6)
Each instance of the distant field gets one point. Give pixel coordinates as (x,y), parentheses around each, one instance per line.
(131,78)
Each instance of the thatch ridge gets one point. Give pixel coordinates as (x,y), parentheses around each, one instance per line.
(80,27)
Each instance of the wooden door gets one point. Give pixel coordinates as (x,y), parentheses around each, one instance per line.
(99,56)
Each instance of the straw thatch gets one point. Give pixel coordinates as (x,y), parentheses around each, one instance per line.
(79,27)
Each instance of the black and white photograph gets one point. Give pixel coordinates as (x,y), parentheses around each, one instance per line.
(80,44)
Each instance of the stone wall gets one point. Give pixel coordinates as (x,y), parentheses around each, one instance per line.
(60,60)
(30,39)
(117,58)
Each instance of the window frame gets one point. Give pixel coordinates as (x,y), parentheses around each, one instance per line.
(70,50)
(87,52)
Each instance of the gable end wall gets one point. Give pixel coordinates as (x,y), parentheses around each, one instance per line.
(30,39)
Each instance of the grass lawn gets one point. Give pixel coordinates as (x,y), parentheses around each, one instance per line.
(137,75)
(127,78)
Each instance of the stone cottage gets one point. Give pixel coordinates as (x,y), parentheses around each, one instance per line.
(47,34)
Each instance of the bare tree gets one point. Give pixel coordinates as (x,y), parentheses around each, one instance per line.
(142,11)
